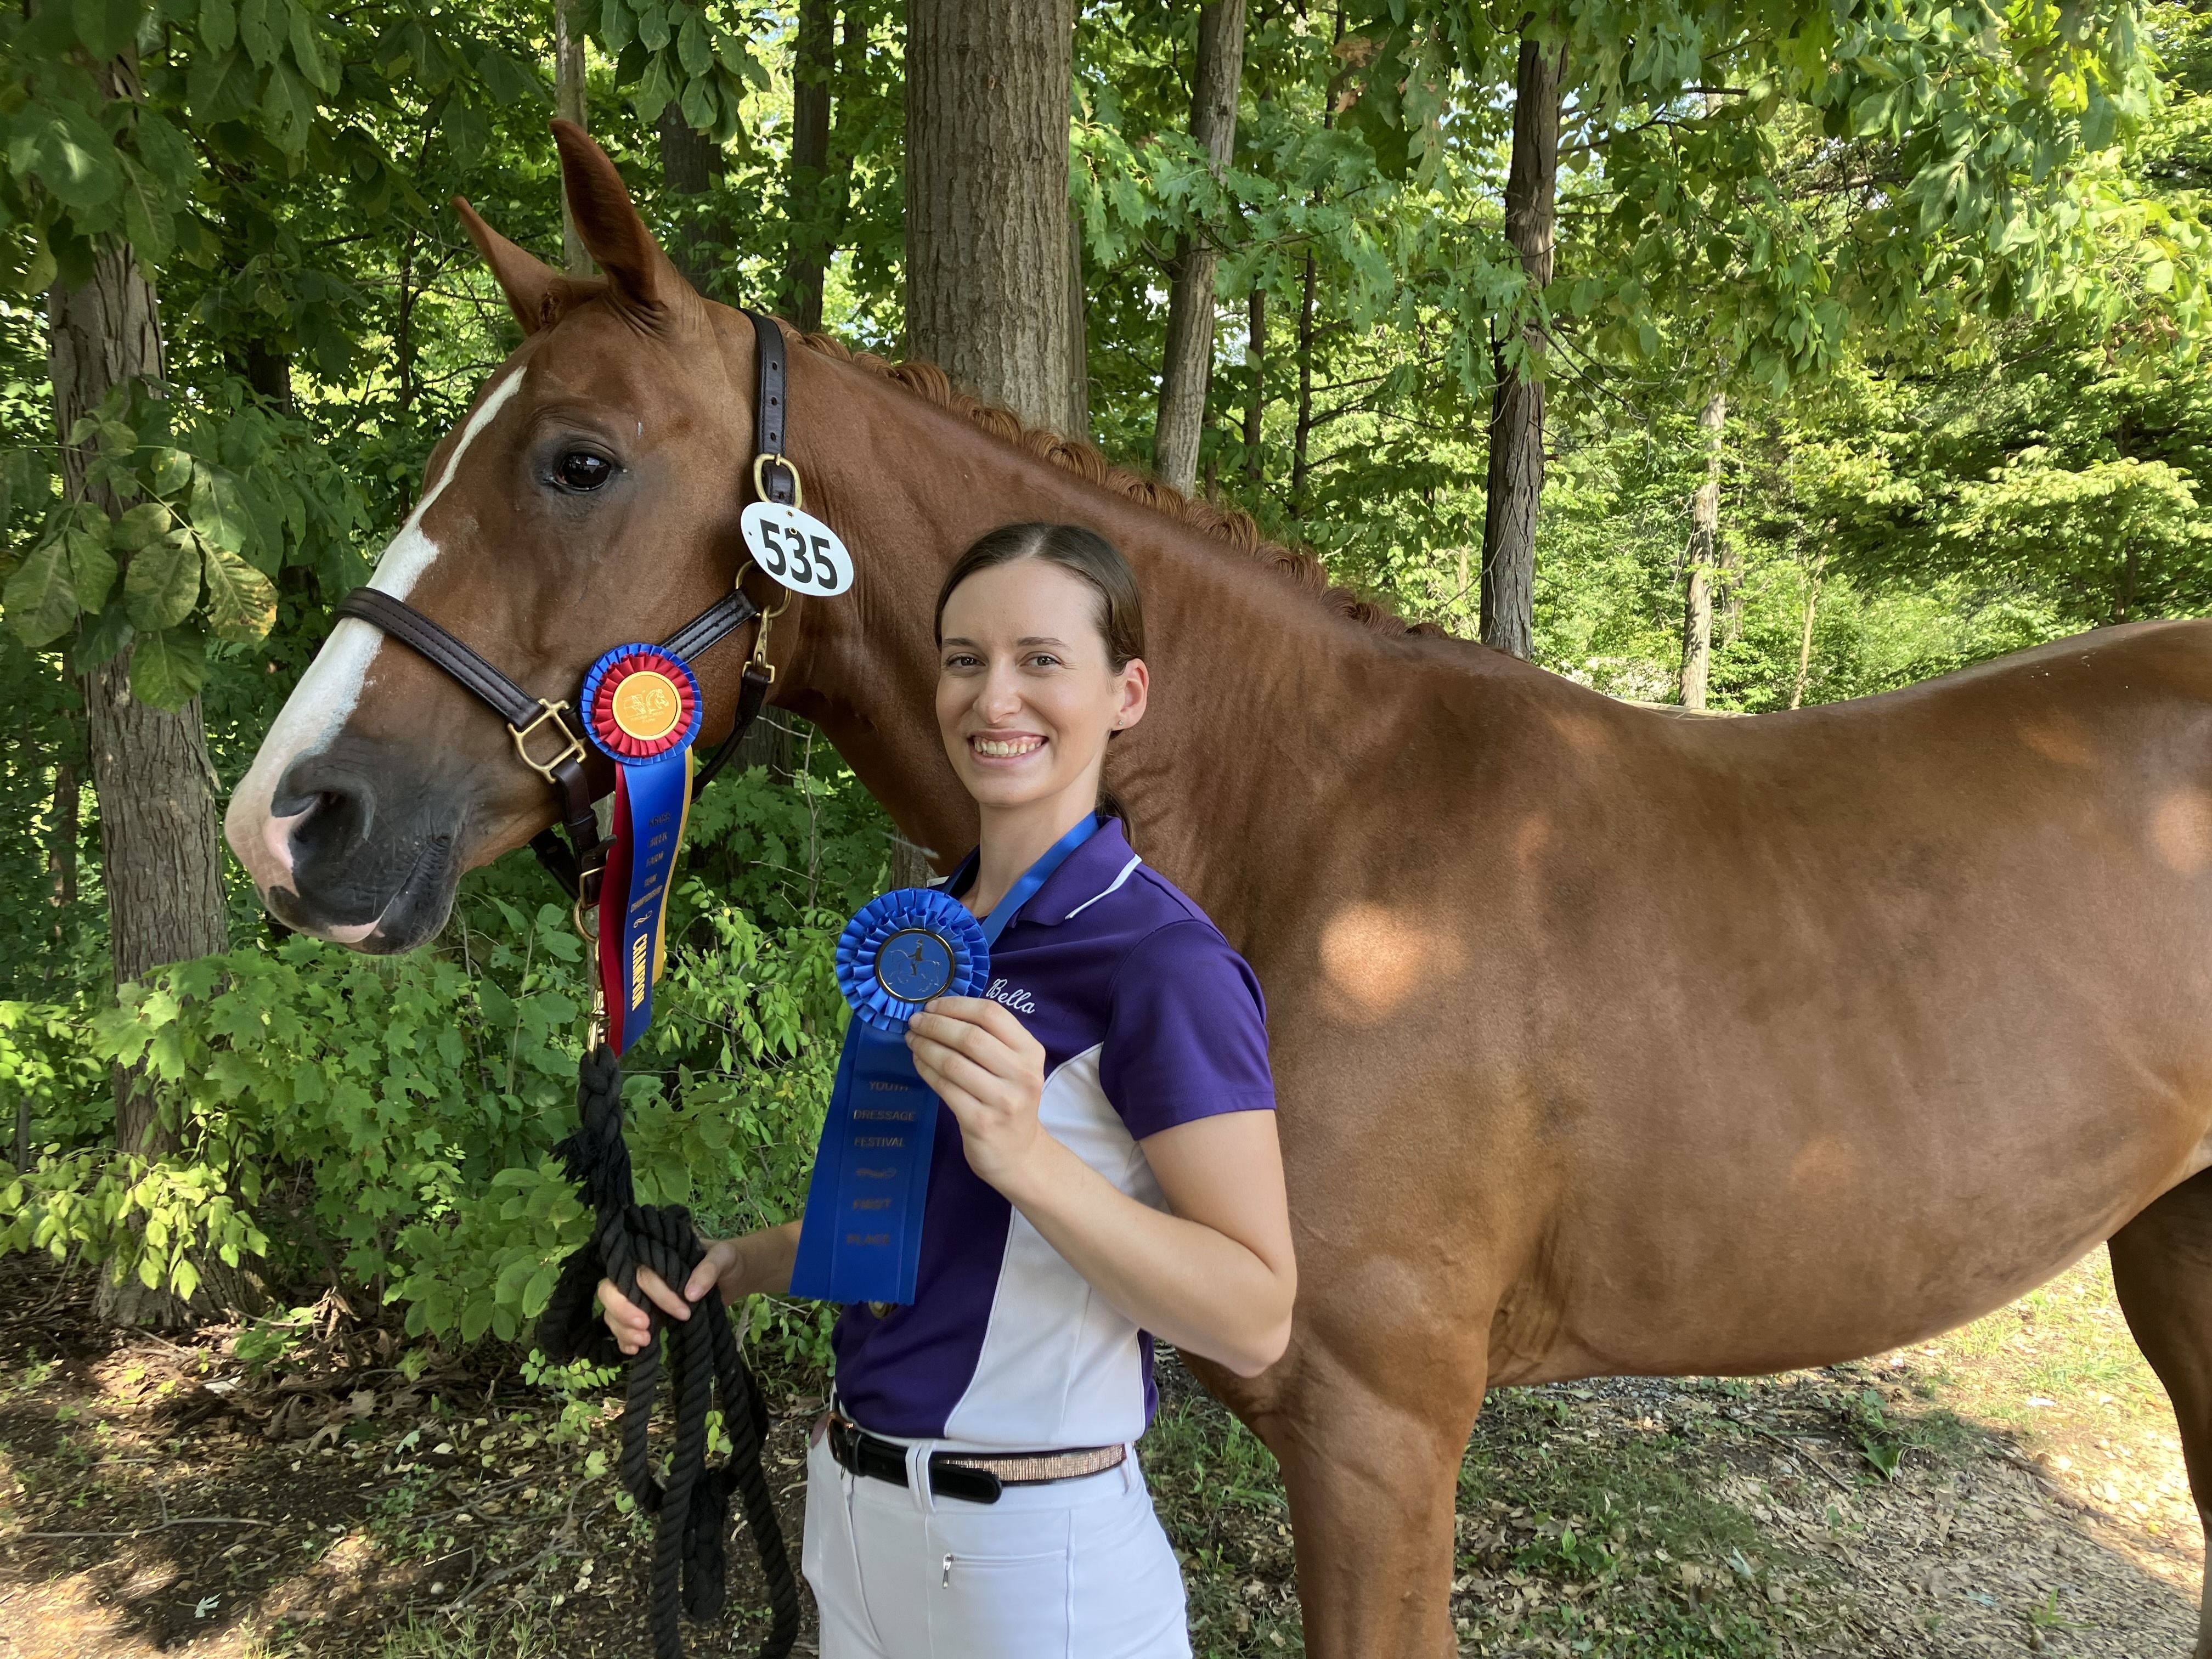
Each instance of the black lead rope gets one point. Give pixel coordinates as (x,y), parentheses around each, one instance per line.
(689,1568)
(690,1565)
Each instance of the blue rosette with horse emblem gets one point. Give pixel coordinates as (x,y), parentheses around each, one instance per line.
(904,949)
(861,1237)
(642,707)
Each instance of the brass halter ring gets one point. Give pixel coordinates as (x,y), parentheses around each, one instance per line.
(760,481)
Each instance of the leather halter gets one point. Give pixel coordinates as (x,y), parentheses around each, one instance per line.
(579,866)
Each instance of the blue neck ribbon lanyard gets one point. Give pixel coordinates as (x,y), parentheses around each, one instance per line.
(861,1237)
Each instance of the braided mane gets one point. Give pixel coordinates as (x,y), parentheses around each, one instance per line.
(1230,525)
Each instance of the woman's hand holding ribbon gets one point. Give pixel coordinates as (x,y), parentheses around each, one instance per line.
(985,1066)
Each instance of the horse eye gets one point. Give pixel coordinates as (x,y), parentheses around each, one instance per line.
(581,469)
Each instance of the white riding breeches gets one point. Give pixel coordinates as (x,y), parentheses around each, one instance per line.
(1072,1569)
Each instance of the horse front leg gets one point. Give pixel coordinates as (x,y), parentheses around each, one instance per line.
(1371,1468)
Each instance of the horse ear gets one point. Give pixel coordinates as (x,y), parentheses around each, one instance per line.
(536,293)
(639,275)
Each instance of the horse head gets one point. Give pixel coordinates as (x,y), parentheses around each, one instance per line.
(590,498)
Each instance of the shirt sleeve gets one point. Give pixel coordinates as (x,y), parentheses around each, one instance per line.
(1187,1032)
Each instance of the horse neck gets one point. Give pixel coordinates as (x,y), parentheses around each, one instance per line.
(1263,700)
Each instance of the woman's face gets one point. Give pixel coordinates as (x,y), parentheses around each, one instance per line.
(1026,694)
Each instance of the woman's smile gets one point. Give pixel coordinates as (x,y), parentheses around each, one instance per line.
(1004,746)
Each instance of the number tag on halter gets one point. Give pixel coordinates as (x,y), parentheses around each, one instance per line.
(797,549)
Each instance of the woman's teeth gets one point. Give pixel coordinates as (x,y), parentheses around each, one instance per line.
(1006,749)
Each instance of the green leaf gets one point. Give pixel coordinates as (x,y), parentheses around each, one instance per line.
(476,1319)
(218,24)
(91,567)
(289,111)
(218,510)
(222,88)
(699,106)
(316,64)
(171,470)
(654,91)
(71,154)
(539,1291)
(104,639)
(256,30)
(512,1276)
(616,25)
(166,669)
(241,603)
(147,220)
(105,26)
(466,128)
(164,150)
(163,582)
(40,602)
(693,49)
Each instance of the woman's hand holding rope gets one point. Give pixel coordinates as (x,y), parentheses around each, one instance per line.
(756,1263)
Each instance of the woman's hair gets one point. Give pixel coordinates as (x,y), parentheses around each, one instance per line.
(1083,553)
(1080,552)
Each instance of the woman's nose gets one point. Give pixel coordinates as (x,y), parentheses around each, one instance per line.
(1001,697)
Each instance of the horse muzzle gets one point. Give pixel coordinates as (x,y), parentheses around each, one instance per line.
(350,848)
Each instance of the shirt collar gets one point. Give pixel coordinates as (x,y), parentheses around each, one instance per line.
(1090,872)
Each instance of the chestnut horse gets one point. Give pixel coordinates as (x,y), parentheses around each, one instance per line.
(1608,1043)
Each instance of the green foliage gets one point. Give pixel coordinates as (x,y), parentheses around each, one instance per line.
(391,1124)
(1947,263)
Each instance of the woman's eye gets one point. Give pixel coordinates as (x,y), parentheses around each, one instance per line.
(581,469)
(1043,659)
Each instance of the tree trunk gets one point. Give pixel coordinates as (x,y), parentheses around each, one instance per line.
(61,855)
(1301,433)
(568,88)
(689,161)
(269,371)
(1255,399)
(1079,335)
(809,209)
(986,233)
(402,329)
(1703,561)
(1187,368)
(1515,485)
(1805,639)
(160,849)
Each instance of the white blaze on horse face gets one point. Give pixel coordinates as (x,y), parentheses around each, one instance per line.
(327,693)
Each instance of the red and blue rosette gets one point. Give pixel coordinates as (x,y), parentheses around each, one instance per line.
(640,706)
(904,948)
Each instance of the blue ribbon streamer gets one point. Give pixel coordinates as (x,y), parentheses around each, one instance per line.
(861,1237)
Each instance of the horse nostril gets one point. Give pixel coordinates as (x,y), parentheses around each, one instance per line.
(324,816)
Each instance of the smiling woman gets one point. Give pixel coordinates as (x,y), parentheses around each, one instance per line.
(1105,1169)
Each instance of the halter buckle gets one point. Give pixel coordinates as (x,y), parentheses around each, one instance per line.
(572,745)
(759,480)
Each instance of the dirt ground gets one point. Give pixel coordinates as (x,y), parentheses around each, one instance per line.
(2013,1488)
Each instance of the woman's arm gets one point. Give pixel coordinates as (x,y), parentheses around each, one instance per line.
(1217,1276)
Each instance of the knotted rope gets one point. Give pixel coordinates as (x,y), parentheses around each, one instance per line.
(693,1507)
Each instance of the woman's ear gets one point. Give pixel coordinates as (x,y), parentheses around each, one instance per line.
(1136,693)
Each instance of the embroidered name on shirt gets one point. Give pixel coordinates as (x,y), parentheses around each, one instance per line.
(1016,999)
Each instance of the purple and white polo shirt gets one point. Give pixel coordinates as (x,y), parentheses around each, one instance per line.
(1148,1019)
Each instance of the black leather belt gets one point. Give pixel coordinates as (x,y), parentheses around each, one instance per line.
(978,1477)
